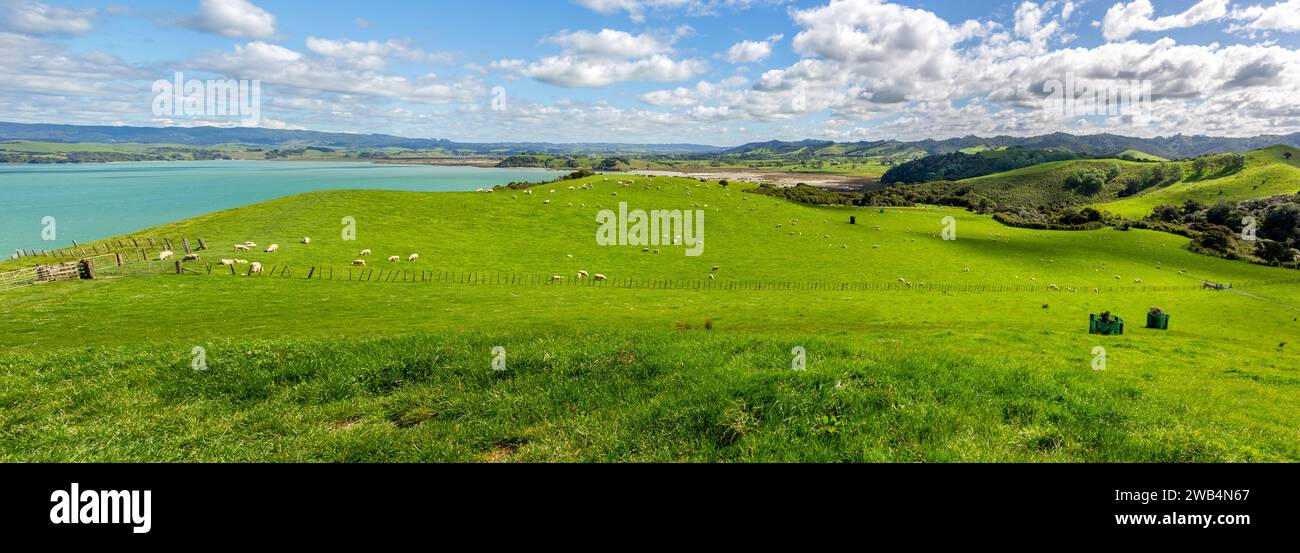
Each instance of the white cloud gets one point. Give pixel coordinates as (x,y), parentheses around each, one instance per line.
(277,65)
(233,18)
(1283,16)
(372,54)
(1124,20)
(636,9)
(36,18)
(751,51)
(593,60)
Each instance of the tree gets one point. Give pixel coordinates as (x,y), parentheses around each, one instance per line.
(1274,252)
(1281,223)
(1088,183)
(1220,214)
(1217,239)
(1167,213)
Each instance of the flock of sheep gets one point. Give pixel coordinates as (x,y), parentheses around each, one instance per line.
(257,268)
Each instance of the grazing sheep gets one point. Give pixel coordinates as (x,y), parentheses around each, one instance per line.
(546,202)
(165,255)
(366,252)
(273,248)
(306,240)
(1137,281)
(583,274)
(600,277)
(241,248)
(191,257)
(251,244)
(413,258)
(255,269)
(241,262)
(966,270)
(717,268)
(227,262)
(645,250)
(713,276)
(902,281)
(359,263)
(1054,287)
(395,259)
(557,278)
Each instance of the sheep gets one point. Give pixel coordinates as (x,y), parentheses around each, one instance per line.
(413,258)
(557,279)
(966,270)
(255,269)
(241,248)
(1054,288)
(251,244)
(359,263)
(191,257)
(599,277)
(394,259)
(227,262)
(717,268)
(645,250)
(1137,281)
(165,255)
(273,248)
(713,276)
(241,262)
(583,274)
(366,252)
(306,241)
(546,202)
(902,281)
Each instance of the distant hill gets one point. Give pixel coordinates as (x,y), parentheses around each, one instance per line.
(1268,172)
(1171,147)
(214,136)
(963,165)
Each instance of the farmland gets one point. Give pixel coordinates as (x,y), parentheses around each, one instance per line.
(341,370)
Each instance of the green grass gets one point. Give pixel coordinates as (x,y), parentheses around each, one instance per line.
(1044,184)
(1135,154)
(1268,173)
(346,371)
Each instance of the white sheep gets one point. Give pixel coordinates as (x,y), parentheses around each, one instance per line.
(717,268)
(273,248)
(306,240)
(600,277)
(557,278)
(227,262)
(583,274)
(359,263)
(251,244)
(165,255)
(366,252)
(713,276)
(241,262)
(241,248)
(255,269)
(191,257)
(413,258)
(394,259)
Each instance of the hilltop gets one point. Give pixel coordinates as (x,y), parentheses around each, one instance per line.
(1267,172)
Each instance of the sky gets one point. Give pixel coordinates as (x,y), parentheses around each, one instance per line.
(717,72)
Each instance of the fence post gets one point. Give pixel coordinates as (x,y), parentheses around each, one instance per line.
(119,258)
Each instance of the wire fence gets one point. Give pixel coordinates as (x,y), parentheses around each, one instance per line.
(435,277)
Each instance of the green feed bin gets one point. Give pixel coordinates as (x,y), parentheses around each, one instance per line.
(1112,327)
(1158,321)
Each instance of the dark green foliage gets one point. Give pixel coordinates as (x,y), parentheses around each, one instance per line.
(958,165)
(1087,182)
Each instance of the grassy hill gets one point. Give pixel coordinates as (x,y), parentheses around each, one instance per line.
(1140,156)
(318,370)
(1268,173)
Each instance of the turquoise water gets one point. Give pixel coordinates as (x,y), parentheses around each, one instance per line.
(94,201)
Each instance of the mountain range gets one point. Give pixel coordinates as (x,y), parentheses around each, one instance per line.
(1171,147)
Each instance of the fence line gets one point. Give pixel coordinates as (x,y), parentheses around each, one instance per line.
(422,276)
(83,269)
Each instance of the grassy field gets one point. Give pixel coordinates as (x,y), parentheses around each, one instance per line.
(1268,173)
(345,371)
(1044,184)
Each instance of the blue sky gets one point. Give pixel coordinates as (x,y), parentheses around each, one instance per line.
(706,71)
